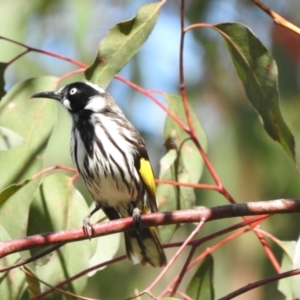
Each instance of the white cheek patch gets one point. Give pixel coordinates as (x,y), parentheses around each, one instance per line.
(96,104)
(66,103)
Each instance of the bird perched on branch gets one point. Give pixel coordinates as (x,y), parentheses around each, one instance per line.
(112,159)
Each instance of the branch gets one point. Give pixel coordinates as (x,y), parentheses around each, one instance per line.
(32,49)
(277,18)
(261,282)
(183,216)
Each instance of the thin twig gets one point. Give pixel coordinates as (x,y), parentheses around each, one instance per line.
(278,20)
(65,58)
(189,184)
(155,100)
(31,259)
(203,255)
(176,255)
(78,275)
(251,286)
(192,131)
(54,288)
(181,76)
(183,271)
(200,241)
(57,167)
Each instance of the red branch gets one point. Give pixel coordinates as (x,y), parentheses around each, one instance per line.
(262,282)
(183,216)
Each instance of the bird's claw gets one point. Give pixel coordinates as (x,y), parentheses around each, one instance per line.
(87,227)
(136,214)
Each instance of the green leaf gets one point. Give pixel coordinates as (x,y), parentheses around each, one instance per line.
(56,206)
(14,210)
(167,196)
(6,193)
(9,139)
(291,260)
(258,72)
(59,206)
(122,42)
(32,119)
(12,284)
(106,249)
(201,285)
(182,163)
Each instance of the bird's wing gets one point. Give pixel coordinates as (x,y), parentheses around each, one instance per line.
(144,168)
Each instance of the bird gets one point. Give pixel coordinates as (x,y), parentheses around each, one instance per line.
(111,157)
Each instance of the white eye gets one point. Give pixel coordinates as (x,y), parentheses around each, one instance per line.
(73,91)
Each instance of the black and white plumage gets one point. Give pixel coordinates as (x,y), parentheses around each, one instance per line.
(112,159)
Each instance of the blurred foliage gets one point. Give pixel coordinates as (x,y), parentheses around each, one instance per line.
(251,165)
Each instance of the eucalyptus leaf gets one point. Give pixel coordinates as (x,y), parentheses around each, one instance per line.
(106,249)
(59,206)
(258,72)
(33,120)
(9,139)
(201,285)
(6,193)
(120,44)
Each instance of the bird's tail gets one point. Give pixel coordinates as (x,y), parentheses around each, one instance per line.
(143,246)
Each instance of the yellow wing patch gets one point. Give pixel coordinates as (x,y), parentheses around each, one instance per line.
(146,173)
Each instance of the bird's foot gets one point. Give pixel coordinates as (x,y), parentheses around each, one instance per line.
(136,214)
(87,227)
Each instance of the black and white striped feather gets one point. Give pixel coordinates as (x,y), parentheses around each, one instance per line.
(108,151)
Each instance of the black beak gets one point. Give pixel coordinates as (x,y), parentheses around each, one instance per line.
(51,95)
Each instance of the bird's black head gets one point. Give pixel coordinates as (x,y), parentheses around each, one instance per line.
(78,96)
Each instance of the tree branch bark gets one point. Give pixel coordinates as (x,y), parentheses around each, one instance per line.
(281,206)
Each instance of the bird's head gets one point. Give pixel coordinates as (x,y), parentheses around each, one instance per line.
(79,96)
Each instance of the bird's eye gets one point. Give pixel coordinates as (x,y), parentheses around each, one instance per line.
(73,91)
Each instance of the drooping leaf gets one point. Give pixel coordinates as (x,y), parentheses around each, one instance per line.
(182,163)
(291,260)
(258,72)
(122,42)
(32,119)
(201,286)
